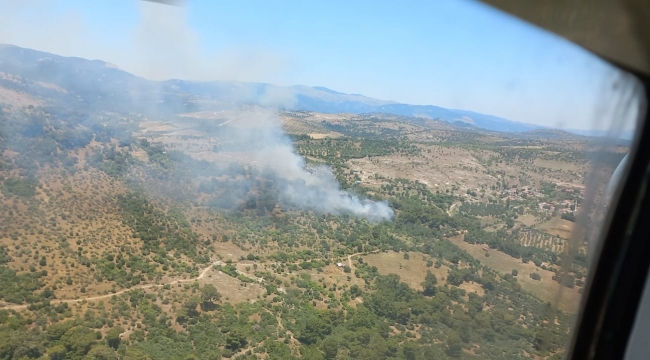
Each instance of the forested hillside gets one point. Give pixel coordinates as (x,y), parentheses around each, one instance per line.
(184,234)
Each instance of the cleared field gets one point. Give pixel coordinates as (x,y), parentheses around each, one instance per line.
(411,271)
(16,98)
(528,219)
(440,170)
(232,289)
(472,288)
(303,127)
(546,289)
(558,165)
(156,126)
(557,227)
(318,136)
(332,274)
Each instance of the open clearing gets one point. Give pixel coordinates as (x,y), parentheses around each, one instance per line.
(412,271)
(440,169)
(317,136)
(304,126)
(527,219)
(559,165)
(557,227)
(546,289)
(472,287)
(232,289)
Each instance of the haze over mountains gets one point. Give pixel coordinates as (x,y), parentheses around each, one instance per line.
(94,83)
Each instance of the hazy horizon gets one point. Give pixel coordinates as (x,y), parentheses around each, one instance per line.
(460,55)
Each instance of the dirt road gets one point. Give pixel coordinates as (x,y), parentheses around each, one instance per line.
(99,297)
(359,253)
(452,208)
(149,286)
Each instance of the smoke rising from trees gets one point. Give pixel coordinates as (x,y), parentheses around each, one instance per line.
(163,43)
(259,135)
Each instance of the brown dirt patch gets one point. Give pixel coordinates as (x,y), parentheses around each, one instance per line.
(412,271)
(52,86)
(528,219)
(472,288)
(558,165)
(17,98)
(231,289)
(317,136)
(557,227)
(156,126)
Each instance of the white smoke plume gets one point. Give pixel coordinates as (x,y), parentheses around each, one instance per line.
(259,134)
(163,45)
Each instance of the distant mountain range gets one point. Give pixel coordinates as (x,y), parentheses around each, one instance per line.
(95,84)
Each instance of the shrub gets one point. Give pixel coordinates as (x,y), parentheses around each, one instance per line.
(536,276)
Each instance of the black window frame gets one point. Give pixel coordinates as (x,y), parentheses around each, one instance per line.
(617,279)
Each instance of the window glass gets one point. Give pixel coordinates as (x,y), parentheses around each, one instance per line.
(278,180)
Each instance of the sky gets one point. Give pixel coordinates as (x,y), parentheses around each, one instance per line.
(450,53)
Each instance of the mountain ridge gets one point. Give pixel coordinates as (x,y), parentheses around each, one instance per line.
(101,84)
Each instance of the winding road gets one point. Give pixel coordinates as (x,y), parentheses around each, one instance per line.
(452,209)
(99,297)
(359,253)
(149,286)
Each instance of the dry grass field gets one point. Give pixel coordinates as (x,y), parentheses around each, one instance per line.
(557,227)
(232,289)
(440,169)
(546,289)
(411,271)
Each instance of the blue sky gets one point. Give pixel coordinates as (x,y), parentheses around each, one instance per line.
(450,53)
